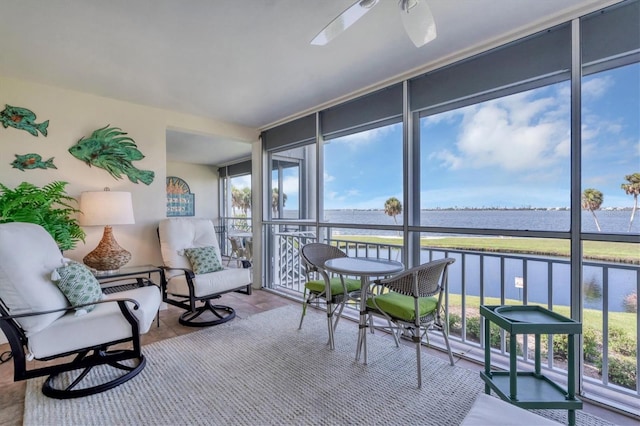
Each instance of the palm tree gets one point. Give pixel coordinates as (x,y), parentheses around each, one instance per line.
(275,208)
(632,188)
(245,203)
(393,207)
(592,200)
(236,199)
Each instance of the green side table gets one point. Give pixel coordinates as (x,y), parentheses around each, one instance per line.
(530,389)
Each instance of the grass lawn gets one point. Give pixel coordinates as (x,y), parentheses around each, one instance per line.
(621,320)
(595,250)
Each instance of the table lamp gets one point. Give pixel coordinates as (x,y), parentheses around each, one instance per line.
(106,208)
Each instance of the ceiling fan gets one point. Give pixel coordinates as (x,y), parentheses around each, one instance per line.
(416,17)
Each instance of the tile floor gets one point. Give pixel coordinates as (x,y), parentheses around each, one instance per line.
(12,394)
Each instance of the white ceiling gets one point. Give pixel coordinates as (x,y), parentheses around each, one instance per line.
(247,62)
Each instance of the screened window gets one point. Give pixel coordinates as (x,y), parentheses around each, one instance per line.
(361,172)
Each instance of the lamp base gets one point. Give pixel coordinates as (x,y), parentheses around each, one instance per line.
(108,256)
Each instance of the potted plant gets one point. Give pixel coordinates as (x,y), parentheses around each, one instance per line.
(49,206)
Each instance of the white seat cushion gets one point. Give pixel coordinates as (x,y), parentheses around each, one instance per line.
(212,283)
(488,410)
(103,324)
(28,256)
(178,234)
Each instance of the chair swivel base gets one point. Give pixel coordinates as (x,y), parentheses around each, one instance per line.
(67,385)
(221,314)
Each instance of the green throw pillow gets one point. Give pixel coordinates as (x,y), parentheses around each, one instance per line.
(203,260)
(78,285)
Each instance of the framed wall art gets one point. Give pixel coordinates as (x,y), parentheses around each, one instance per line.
(180,200)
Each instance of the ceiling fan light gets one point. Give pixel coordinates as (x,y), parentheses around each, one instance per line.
(418,21)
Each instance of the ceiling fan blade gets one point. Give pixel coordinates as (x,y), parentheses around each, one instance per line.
(343,21)
(418,21)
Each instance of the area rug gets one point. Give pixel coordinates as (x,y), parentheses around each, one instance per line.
(264,371)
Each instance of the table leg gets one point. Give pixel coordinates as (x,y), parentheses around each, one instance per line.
(362,325)
(487,353)
(513,368)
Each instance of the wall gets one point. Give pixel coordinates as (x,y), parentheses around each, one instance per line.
(73,115)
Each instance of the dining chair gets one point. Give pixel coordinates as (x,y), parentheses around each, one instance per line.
(320,287)
(413,302)
(238,251)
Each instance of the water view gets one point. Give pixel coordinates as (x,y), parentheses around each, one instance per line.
(611,221)
(622,282)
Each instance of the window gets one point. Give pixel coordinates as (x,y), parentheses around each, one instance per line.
(610,150)
(499,164)
(361,172)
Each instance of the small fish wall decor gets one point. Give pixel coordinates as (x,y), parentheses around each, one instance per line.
(109,149)
(22,119)
(32,161)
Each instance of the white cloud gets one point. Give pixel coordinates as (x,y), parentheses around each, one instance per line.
(516,133)
(290,186)
(328,177)
(241,181)
(596,87)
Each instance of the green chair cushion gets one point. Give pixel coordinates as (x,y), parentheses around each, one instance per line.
(401,307)
(317,286)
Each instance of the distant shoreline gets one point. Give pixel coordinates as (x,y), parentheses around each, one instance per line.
(440,209)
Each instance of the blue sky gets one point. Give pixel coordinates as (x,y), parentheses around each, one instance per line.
(509,152)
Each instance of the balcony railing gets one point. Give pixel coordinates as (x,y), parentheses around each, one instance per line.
(502,278)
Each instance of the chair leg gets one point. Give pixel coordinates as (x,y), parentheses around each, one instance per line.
(304,308)
(221,313)
(446,342)
(64,384)
(394,331)
(416,339)
(335,324)
(330,310)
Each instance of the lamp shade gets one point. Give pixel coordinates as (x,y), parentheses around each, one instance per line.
(106,208)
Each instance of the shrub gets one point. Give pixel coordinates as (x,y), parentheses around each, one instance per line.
(473,331)
(591,342)
(621,342)
(630,302)
(622,371)
(455,323)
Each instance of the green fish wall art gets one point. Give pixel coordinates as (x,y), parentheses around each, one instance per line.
(109,149)
(32,161)
(22,119)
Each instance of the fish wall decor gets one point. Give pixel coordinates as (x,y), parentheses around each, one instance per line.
(109,149)
(22,119)
(32,161)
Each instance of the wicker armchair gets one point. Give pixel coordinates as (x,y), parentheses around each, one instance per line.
(413,301)
(334,292)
